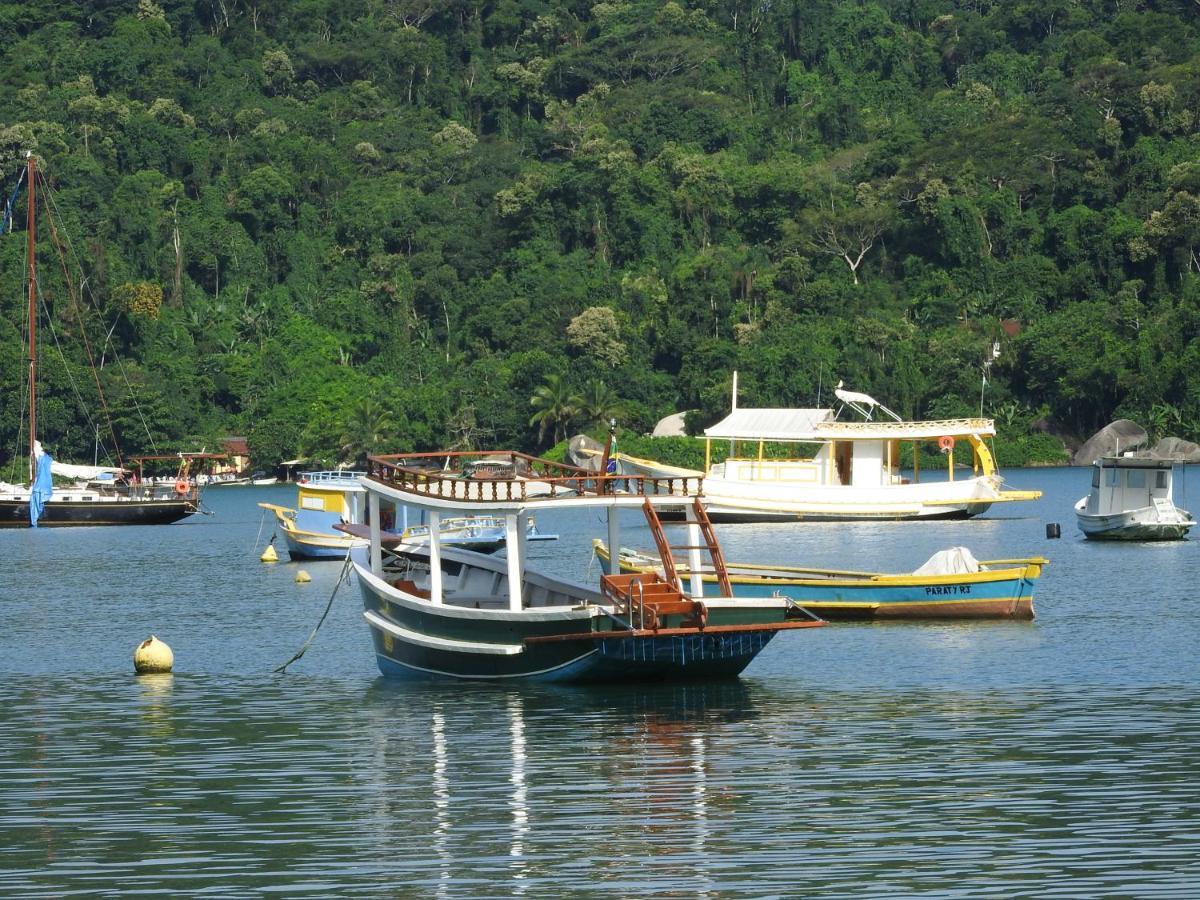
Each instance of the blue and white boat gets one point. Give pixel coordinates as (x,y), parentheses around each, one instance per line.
(336,497)
(324,499)
(950,585)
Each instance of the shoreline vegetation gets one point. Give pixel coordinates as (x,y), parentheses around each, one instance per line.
(351,226)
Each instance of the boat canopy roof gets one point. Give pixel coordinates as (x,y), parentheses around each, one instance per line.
(819,425)
(1134,461)
(770,424)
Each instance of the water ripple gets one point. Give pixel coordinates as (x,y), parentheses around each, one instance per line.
(335,788)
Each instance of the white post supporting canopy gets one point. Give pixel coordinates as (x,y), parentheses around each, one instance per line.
(376,552)
(516,559)
(614,542)
(435,556)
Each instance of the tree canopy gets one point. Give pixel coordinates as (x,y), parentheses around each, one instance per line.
(344,225)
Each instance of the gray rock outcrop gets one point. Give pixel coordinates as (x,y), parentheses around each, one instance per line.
(578,452)
(670,426)
(1176,448)
(1117,437)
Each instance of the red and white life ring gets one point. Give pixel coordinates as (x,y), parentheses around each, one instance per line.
(946,443)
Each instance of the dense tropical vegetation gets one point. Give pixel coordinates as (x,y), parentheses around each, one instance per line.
(338,225)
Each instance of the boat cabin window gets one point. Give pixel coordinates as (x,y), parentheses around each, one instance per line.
(1160,480)
(1113,477)
(1095,476)
(1136,478)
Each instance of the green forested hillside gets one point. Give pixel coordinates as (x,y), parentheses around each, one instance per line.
(340,224)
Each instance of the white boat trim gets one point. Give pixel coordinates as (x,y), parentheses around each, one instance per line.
(485,677)
(450,610)
(436,643)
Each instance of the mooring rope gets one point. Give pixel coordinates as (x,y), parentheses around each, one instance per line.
(261,521)
(328,606)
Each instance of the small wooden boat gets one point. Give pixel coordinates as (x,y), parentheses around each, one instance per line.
(439,612)
(326,499)
(323,499)
(483,534)
(1131,500)
(952,585)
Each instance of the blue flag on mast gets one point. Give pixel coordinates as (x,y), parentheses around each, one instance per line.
(42,488)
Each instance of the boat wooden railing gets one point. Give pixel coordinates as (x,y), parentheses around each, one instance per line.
(475,477)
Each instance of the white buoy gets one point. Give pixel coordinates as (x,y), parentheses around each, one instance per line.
(151,656)
(269,555)
(303,577)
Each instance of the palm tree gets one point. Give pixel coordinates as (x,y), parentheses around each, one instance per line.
(555,408)
(367,425)
(597,404)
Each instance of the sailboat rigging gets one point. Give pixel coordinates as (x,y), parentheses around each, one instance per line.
(99,495)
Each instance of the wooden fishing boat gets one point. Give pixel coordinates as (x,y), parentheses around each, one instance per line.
(329,498)
(446,613)
(951,585)
(854,472)
(1132,500)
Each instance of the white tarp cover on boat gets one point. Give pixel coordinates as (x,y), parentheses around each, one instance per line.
(770,424)
(955,561)
(66,470)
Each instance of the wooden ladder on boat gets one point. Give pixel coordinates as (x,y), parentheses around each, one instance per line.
(647,598)
(710,545)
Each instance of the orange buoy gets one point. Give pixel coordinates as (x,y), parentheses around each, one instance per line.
(182,487)
(946,443)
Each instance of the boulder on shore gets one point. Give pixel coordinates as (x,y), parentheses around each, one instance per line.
(670,426)
(1176,448)
(1112,439)
(585,452)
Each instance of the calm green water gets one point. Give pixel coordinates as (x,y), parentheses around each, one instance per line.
(1053,758)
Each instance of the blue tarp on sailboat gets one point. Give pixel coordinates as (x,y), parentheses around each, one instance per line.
(41,490)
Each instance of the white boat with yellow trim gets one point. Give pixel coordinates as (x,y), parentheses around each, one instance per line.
(851,470)
(950,585)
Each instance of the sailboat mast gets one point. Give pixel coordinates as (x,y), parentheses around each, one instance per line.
(31,264)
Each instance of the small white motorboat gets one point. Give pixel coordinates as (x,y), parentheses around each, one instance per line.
(1131,500)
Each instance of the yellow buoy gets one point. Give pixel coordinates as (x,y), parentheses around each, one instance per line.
(152,655)
(303,577)
(269,555)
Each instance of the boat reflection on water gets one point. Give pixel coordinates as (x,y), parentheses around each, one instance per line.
(640,748)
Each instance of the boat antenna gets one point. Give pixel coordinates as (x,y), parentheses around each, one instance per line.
(733,402)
